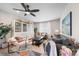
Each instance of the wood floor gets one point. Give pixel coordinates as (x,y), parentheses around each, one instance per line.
(4,52)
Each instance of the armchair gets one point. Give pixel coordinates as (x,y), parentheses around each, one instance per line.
(15,43)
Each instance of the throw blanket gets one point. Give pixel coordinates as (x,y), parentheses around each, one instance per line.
(65,51)
(51,48)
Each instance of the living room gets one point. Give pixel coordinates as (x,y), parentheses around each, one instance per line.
(28,20)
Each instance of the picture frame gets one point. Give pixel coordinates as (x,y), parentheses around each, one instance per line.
(67,24)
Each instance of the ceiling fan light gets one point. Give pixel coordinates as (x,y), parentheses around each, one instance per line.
(27,13)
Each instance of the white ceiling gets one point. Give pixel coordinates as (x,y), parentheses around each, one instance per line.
(48,11)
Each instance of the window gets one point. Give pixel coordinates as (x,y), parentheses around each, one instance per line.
(17,27)
(45,27)
(24,27)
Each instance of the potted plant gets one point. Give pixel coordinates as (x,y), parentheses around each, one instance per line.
(4,30)
(35,31)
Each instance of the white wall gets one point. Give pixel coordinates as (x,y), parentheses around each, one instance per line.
(75,19)
(44,27)
(5,17)
(48,26)
(8,18)
(55,24)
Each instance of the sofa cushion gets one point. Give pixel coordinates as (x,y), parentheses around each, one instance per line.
(19,39)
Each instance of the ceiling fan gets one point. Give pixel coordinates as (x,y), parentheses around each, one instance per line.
(27,10)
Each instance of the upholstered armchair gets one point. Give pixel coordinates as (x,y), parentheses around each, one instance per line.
(15,43)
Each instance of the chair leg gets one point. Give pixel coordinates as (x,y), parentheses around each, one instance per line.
(8,47)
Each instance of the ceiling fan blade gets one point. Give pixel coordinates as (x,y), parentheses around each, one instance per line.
(27,6)
(24,6)
(18,9)
(35,10)
(33,14)
(25,14)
